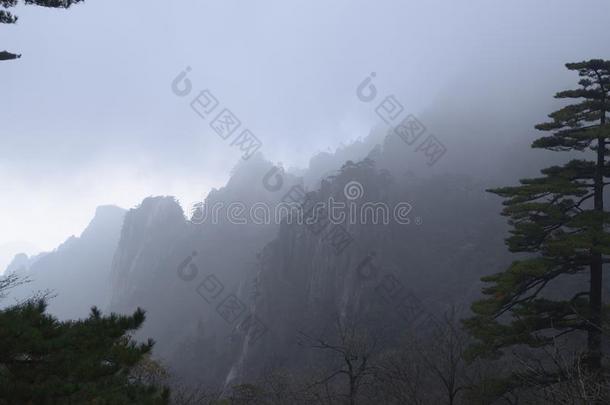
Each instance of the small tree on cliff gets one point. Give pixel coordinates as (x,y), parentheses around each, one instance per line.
(6,17)
(560,221)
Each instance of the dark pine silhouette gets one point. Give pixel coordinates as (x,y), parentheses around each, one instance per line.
(6,17)
(558,220)
(45,361)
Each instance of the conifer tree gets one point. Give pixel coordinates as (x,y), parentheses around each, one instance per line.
(6,17)
(559,222)
(46,361)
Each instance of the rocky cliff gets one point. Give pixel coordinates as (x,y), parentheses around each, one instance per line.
(76,274)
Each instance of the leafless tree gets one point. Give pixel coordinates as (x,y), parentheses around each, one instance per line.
(561,376)
(429,367)
(353,350)
(188,395)
(10,281)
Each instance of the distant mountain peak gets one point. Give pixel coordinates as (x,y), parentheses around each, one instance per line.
(106,217)
(108,210)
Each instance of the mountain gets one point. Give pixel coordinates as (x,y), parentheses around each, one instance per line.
(240,276)
(21,263)
(164,262)
(230,285)
(75,274)
(9,250)
(303,282)
(224,286)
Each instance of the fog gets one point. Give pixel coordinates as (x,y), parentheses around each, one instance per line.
(91,117)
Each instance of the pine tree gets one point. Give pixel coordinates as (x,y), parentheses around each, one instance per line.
(45,361)
(559,222)
(6,17)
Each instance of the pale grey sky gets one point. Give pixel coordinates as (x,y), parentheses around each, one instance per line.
(88,117)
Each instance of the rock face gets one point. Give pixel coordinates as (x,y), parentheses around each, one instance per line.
(9,251)
(149,235)
(228,292)
(182,270)
(21,263)
(76,274)
(230,286)
(392,275)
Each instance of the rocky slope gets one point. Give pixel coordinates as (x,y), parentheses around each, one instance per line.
(394,275)
(76,274)
(166,264)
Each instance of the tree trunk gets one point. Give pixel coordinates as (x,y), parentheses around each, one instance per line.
(352,391)
(594,338)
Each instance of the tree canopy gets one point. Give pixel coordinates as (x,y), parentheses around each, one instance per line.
(7,17)
(559,222)
(44,360)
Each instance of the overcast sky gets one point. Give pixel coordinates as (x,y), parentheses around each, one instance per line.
(88,116)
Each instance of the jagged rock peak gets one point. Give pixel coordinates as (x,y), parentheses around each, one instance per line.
(157,209)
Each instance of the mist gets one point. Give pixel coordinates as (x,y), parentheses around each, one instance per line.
(113,155)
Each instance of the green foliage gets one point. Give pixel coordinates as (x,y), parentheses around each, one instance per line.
(558,221)
(44,360)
